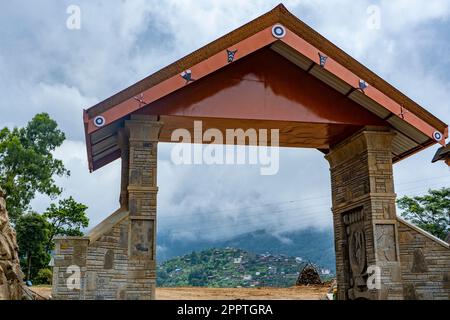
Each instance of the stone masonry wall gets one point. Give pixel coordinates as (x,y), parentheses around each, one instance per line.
(69,271)
(425,264)
(107,265)
(102,266)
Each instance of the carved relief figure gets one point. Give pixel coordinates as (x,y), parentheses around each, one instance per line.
(356,242)
(385,241)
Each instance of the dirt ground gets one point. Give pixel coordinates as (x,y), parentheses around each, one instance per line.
(294,293)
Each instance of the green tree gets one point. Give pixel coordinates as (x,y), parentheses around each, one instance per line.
(197,277)
(67,218)
(27,165)
(194,259)
(430,212)
(32,237)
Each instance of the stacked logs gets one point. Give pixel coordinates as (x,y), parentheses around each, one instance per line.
(308,276)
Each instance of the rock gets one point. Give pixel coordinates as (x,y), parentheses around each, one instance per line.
(11,277)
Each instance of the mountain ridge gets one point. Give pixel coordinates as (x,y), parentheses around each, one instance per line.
(233,268)
(314,245)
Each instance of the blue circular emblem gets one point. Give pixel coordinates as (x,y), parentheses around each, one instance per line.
(437,136)
(278,31)
(99,121)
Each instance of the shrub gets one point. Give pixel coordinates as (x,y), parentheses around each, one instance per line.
(44,276)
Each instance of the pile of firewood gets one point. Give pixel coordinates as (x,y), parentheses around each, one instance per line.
(308,276)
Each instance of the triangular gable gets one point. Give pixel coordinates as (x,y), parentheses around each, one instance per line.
(293,39)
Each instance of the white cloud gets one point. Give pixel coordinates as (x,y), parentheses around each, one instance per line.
(230,200)
(407,14)
(98,190)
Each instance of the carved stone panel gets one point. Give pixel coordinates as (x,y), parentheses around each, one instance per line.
(142,233)
(419,264)
(357,257)
(385,242)
(108,263)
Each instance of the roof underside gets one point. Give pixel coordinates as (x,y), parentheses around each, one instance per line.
(413,124)
(443,153)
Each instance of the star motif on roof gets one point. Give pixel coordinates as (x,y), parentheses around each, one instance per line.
(323,60)
(363,85)
(231,54)
(140,99)
(187,75)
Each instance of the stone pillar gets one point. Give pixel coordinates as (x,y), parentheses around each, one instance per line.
(143,132)
(364,215)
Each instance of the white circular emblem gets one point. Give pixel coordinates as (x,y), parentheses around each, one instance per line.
(278,31)
(437,136)
(99,121)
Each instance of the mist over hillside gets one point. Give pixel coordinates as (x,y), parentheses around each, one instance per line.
(233,268)
(311,244)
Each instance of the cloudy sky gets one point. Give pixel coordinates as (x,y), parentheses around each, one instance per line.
(44,66)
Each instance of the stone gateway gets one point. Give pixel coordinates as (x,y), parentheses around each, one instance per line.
(281,75)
